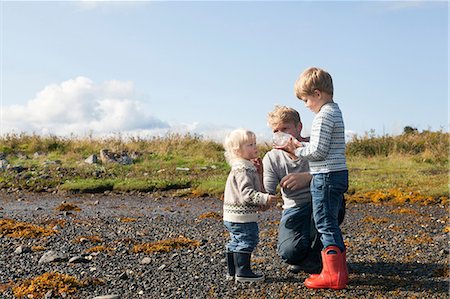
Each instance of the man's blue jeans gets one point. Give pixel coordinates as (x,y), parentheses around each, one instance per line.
(327,191)
(243,236)
(296,233)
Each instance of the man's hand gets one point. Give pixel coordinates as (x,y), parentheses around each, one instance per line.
(294,181)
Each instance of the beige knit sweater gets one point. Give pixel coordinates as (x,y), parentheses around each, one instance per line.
(243,193)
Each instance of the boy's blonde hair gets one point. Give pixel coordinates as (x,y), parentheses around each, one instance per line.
(283,114)
(234,141)
(311,79)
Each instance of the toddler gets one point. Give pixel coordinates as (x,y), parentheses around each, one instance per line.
(244,197)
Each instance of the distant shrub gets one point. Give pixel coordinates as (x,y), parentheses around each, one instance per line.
(427,146)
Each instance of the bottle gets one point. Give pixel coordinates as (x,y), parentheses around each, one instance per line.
(280,139)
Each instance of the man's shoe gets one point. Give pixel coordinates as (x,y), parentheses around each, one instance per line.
(307,267)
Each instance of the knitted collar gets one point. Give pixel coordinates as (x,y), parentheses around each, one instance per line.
(243,163)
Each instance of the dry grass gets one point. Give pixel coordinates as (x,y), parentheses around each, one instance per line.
(17,229)
(165,245)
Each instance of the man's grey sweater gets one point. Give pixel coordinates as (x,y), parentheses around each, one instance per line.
(277,164)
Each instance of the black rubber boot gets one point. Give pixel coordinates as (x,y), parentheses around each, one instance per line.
(312,264)
(243,271)
(230,266)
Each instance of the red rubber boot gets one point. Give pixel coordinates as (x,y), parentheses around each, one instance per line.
(334,273)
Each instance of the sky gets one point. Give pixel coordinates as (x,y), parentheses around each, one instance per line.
(123,68)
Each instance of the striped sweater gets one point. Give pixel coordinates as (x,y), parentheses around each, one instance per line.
(243,193)
(326,149)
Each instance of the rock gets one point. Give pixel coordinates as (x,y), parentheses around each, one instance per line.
(145,261)
(22,249)
(162,267)
(52,256)
(106,157)
(125,160)
(123,275)
(38,154)
(3,164)
(107,297)
(92,159)
(79,259)
(48,295)
(182,169)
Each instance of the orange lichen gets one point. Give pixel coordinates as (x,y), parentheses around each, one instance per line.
(37,287)
(405,211)
(53,222)
(17,229)
(127,219)
(37,248)
(423,239)
(371,219)
(394,196)
(5,286)
(211,215)
(99,248)
(67,207)
(165,245)
(92,239)
(377,241)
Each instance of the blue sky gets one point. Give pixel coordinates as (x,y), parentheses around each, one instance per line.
(148,68)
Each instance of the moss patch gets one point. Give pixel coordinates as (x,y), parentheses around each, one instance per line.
(37,287)
(165,245)
(17,229)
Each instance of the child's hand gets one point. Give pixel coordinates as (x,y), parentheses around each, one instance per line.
(258,164)
(291,146)
(271,201)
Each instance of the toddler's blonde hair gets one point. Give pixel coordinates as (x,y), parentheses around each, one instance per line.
(311,79)
(234,141)
(283,114)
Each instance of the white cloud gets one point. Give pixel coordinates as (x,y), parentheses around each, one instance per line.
(80,107)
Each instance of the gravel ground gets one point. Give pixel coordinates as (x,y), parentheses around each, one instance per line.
(393,252)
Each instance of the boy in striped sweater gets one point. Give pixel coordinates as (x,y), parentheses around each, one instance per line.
(326,155)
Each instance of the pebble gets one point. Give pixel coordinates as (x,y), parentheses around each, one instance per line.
(52,256)
(383,262)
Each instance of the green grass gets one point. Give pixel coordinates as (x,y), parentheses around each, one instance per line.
(399,172)
(409,167)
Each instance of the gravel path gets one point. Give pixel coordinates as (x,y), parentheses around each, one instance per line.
(393,252)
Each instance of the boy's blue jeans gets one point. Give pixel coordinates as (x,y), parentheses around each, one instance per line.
(243,236)
(327,192)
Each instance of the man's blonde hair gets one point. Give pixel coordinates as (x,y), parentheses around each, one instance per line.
(283,114)
(311,79)
(234,141)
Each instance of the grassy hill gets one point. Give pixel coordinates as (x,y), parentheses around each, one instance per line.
(412,167)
